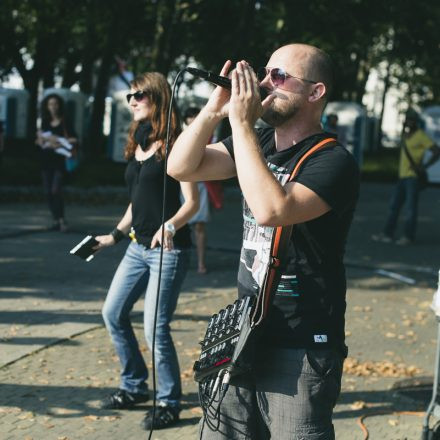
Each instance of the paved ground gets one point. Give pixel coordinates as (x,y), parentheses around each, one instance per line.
(56,360)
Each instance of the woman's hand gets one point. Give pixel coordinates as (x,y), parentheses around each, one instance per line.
(104,241)
(168,240)
(54,142)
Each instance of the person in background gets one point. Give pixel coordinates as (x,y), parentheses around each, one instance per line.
(57,141)
(198,222)
(406,191)
(332,126)
(120,78)
(138,272)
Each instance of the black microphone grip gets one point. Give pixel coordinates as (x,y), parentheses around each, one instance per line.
(218,80)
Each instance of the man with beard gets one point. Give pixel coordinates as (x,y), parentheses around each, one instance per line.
(296,379)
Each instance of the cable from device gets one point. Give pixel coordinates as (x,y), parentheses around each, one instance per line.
(156,306)
(208,392)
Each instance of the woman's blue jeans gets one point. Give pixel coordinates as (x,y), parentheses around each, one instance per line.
(406,192)
(138,273)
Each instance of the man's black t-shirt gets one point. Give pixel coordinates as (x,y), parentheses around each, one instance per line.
(309,305)
(145,186)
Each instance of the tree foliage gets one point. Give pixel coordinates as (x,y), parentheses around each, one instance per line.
(77,40)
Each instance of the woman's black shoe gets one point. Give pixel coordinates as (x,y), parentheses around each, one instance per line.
(164,417)
(122,399)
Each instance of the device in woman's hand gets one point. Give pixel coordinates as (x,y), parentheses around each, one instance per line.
(84,249)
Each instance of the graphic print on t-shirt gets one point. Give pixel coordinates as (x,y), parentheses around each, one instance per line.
(257,239)
(309,304)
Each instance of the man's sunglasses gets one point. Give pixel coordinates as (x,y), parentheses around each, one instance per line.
(138,96)
(278,76)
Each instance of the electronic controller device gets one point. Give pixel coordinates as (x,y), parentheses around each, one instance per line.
(221,338)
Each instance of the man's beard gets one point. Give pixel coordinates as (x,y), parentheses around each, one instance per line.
(276,116)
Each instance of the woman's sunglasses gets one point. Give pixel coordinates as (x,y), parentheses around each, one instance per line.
(278,76)
(138,96)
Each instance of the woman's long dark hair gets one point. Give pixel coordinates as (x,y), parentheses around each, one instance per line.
(46,116)
(158,92)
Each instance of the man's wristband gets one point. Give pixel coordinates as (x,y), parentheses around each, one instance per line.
(117,235)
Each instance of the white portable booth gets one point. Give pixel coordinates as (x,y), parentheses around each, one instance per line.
(120,120)
(352,118)
(431,123)
(14,112)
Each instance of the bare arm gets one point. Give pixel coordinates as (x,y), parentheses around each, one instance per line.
(191,159)
(124,226)
(435,150)
(189,207)
(182,216)
(270,202)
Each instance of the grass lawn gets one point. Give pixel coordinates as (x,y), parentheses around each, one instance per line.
(21,166)
(380,166)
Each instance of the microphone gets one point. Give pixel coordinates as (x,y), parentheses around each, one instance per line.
(218,80)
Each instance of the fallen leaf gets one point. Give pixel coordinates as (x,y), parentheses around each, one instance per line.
(379,369)
(111,418)
(359,404)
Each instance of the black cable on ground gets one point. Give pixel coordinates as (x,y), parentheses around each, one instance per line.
(360,420)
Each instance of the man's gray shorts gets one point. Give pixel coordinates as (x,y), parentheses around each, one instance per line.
(290,396)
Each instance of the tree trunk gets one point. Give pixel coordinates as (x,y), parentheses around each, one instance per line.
(88,56)
(96,137)
(86,75)
(364,68)
(382,111)
(49,75)
(69,75)
(160,53)
(31,79)
(245,30)
(31,85)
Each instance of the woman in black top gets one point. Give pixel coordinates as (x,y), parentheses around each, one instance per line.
(57,141)
(138,271)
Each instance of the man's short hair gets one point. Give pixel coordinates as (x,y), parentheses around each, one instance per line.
(322,69)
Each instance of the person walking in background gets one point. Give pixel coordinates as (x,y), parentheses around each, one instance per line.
(138,271)
(414,143)
(198,222)
(332,126)
(292,389)
(57,141)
